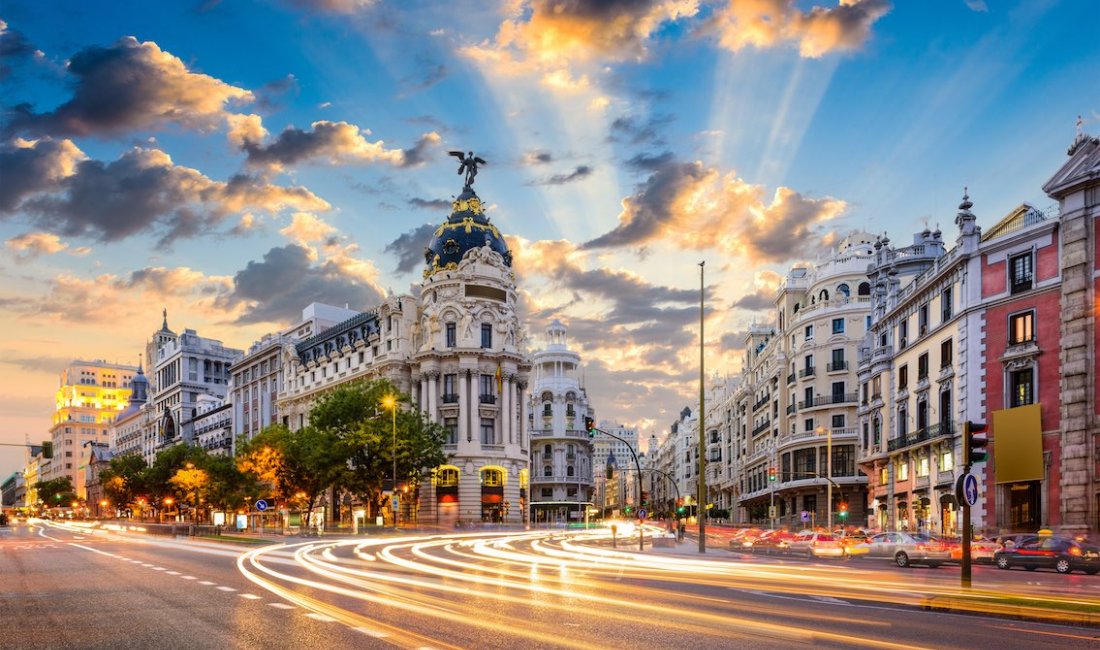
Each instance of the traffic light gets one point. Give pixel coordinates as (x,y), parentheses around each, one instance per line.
(773,474)
(590,426)
(974,449)
(680,510)
(842,510)
(628,509)
(645,499)
(47,449)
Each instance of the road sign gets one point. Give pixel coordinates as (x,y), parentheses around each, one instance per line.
(805,515)
(773,512)
(261,505)
(641,513)
(966,489)
(396,502)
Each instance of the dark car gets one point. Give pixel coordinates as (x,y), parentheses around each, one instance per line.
(1059,553)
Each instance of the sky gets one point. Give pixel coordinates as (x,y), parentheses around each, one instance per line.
(232,161)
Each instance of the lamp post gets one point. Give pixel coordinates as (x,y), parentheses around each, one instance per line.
(390,402)
(828,473)
(701,501)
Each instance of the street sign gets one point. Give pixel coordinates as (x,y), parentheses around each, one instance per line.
(641,513)
(773,512)
(805,515)
(966,489)
(396,502)
(261,505)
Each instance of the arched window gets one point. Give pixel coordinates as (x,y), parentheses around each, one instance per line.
(447,477)
(547,470)
(843,291)
(796,306)
(492,477)
(864,289)
(569,470)
(824,295)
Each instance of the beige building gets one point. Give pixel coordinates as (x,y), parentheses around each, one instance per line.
(91,394)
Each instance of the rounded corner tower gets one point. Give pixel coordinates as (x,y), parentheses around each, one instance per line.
(470,368)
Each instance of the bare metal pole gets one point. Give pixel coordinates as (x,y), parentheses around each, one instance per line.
(701,497)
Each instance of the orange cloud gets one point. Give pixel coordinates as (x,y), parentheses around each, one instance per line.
(819,31)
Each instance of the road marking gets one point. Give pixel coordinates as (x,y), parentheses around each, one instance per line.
(224,588)
(830,599)
(250,596)
(159,568)
(173,573)
(189,577)
(1069,636)
(281,606)
(205,582)
(146,565)
(320,617)
(369,632)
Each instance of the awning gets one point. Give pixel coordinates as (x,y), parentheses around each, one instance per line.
(925,501)
(948,499)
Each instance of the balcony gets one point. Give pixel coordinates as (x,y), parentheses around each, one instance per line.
(790,379)
(933,432)
(826,400)
(806,372)
(450,398)
(487,399)
(762,402)
(837,366)
(792,409)
(764,426)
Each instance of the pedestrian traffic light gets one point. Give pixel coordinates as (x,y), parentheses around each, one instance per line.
(590,426)
(628,509)
(842,510)
(47,449)
(974,449)
(773,474)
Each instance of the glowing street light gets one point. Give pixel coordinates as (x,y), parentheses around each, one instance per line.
(390,402)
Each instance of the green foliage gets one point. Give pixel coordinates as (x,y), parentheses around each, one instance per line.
(56,493)
(124,479)
(296,466)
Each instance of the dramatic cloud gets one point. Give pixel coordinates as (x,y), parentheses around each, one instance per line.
(142,191)
(30,167)
(37,363)
(131,86)
(307,228)
(409,247)
(13,46)
(816,32)
(695,207)
(577,174)
(765,285)
(276,289)
(333,142)
(647,163)
(430,204)
(32,244)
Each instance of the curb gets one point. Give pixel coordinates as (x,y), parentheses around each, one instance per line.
(983,607)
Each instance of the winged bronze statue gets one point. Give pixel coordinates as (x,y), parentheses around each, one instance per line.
(469,163)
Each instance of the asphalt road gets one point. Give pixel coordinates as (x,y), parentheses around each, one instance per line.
(65,588)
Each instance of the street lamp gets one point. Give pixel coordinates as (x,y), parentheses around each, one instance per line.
(828,472)
(168,501)
(390,402)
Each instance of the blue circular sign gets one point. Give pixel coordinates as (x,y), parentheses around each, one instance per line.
(261,505)
(967,489)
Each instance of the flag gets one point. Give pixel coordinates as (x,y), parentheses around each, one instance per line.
(500,379)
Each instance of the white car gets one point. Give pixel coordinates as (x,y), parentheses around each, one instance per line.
(816,545)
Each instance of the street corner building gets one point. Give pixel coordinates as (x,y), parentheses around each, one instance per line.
(457,348)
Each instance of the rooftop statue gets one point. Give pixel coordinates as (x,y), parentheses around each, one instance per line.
(469,165)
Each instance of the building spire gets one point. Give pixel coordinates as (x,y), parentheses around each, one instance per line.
(164,324)
(965,219)
(140,370)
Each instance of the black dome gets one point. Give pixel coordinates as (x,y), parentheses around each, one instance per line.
(465,229)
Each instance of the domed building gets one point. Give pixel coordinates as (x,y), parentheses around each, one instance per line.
(457,349)
(561,452)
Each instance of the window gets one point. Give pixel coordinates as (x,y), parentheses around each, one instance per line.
(1021,328)
(548,493)
(922,319)
(903,377)
(945,353)
(838,421)
(922,466)
(450,394)
(809,364)
(547,450)
(487,394)
(547,470)
(883,476)
(843,291)
(451,427)
(877,428)
(808,395)
(903,334)
(492,477)
(808,424)
(866,436)
(1021,273)
(903,470)
(838,326)
(838,360)
(903,421)
(488,433)
(1021,385)
(452,335)
(945,304)
(809,332)
(922,367)
(569,470)
(571,492)
(947,461)
(486,335)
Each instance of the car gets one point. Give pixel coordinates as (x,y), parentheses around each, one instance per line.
(744,539)
(907,549)
(1062,554)
(774,541)
(981,549)
(855,543)
(1009,541)
(815,544)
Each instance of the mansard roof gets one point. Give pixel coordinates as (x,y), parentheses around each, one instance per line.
(357,328)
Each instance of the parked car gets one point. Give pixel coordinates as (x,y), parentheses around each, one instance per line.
(815,544)
(744,539)
(774,541)
(1009,541)
(907,549)
(855,543)
(1062,554)
(981,549)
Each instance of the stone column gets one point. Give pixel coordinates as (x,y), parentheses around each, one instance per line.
(433,395)
(463,407)
(507,436)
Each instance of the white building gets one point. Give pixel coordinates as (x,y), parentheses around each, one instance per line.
(561,452)
(606,448)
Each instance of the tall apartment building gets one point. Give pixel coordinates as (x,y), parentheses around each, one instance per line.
(260,375)
(90,395)
(562,485)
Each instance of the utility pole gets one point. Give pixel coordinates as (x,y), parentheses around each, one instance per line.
(701,497)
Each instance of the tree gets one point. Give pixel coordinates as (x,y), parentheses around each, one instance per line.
(297,466)
(191,484)
(229,488)
(370,434)
(124,479)
(56,493)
